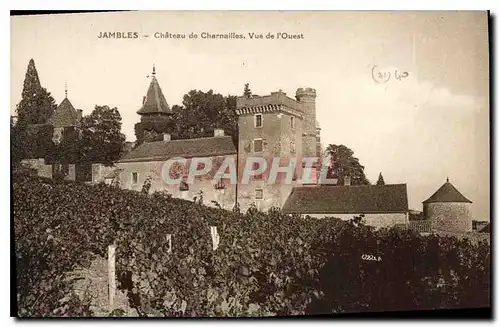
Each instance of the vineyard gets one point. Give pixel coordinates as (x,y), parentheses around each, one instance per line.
(267,264)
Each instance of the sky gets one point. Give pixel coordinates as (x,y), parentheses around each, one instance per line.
(419,129)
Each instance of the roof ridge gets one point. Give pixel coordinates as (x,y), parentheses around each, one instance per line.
(369,185)
(190,139)
(348,199)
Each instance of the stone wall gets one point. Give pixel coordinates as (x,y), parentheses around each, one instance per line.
(307,97)
(39,165)
(100,171)
(378,220)
(449,216)
(91,286)
(153,169)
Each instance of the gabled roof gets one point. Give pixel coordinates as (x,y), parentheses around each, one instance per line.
(65,115)
(329,199)
(155,100)
(164,150)
(447,193)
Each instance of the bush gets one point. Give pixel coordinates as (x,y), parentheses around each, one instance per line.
(266,263)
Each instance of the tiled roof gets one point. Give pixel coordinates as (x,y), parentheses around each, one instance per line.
(155,100)
(447,193)
(64,115)
(485,229)
(199,147)
(347,199)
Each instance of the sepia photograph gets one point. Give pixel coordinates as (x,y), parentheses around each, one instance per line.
(250,164)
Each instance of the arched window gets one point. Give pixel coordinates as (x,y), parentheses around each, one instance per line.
(220,184)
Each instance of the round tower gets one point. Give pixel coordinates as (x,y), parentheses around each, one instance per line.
(448,210)
(307,97)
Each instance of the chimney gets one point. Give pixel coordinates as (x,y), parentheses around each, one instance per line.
(166,137)
(218,132)
(347,180)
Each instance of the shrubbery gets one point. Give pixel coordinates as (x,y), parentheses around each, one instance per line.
(266,263)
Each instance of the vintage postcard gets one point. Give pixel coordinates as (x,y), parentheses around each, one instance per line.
(250,163)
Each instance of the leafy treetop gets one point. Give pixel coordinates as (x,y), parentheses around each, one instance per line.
(380,180)
(246,91)
(343,163)
(36,105)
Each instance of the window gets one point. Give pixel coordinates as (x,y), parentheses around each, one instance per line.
(134,178)
(292,147)
(259,194)
(256,166)
(257,145)
(292,122)
(183,186)
(220,184)
(65,169)
(258,120)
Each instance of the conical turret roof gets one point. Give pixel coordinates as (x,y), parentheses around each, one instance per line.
(447,193)
(65,115)
(154,101)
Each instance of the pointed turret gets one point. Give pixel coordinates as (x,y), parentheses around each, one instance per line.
(65,114)
(448,210)
(154,102)
(447,193)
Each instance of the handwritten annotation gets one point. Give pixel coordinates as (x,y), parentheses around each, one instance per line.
(382,77)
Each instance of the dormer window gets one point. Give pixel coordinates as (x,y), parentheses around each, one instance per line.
(258,120)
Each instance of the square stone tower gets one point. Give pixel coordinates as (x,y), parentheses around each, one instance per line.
(274,127)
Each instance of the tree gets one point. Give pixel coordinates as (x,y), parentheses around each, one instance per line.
(202,112)
(67,151)
(36,105)
(101,139)
(247,92)
(380,180)
(18,137)
(343,163)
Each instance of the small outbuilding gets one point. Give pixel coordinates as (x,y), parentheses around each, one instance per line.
(448,210)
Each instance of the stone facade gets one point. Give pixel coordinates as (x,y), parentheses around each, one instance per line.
(448,210)
(307,97)
(449,216)
(286,128)
(378,220)
(133,175)
(100,171)
(44,170)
